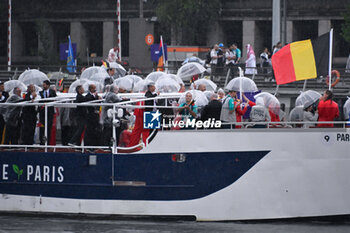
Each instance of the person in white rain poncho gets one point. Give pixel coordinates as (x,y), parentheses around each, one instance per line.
(107,118)
(113,55)
(12,118)
(259,113)
(309,115)
(250,63)
(228,114)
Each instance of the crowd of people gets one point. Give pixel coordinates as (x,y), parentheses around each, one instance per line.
(230,110)
(222,58)
(93,124)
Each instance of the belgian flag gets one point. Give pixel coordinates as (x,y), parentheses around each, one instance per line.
(302,60)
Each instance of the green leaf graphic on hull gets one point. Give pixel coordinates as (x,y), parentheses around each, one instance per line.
(17,171)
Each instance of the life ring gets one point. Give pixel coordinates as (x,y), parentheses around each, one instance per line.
(334,73)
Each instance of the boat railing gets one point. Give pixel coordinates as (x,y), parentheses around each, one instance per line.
(68,102)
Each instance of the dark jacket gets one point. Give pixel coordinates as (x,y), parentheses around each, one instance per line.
(220,59)
(3,100)
(5,95)
(212,110)
(50,110)
(52,93)
(80,111)
(149,94)
(91,110)
(29,113)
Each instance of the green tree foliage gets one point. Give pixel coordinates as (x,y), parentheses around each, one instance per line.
(192,17)
(346,26)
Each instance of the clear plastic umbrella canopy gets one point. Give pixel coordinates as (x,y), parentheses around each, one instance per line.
(199,97)
(89,72)
(140,86)
(166,84)
(119,69)
(10,85)
(193,59)
(134,78)
(346,109)
(297,114)
(33,77)
(242,84)
(208,94)
(85,83)
(154,76)
(188,70)
(270,101)
(174,77)
(210,85)
(98,77)
(307,98)
(125,83)
(37,88)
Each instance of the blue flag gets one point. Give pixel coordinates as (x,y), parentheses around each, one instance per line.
(70,58)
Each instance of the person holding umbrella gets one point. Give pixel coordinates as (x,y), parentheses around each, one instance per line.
(309,115)
(327,109)
(188,110)
(29,116)
(46,93)
(259,113)
(228,110)
(240,112)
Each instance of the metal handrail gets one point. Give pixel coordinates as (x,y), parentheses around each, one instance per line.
(57,102)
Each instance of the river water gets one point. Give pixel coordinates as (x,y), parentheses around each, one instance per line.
(21,224)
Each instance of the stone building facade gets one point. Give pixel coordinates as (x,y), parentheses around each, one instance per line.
(38,27)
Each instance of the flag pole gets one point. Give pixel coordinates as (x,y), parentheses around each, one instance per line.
(330,59)
(164,60)
(9,42)
(119,38)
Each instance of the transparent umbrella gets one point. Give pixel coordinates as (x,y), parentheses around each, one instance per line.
(346,109)
(199,97)
(89,72)
(33,77)
(10,85)
(140,86)
(134,78)
(85,83)
(242,84)
(119,69)
(125,83)
(208,94)
(98,77)
(174,77)
(193,59)
(297,114)
(166,84)
(188,70)
(210,85)
(154,76)
(37,88)
(270,101)
(307,98)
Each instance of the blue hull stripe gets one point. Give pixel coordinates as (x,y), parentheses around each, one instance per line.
(159,176)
